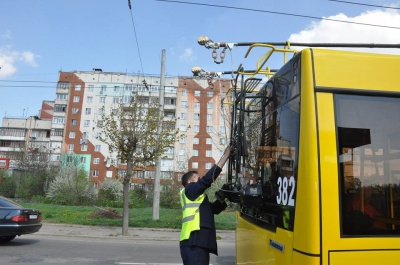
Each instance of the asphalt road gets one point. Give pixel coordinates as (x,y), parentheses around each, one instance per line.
(72,244)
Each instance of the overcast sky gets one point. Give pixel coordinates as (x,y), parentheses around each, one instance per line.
(40,38)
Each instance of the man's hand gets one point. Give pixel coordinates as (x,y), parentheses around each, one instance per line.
(220,195)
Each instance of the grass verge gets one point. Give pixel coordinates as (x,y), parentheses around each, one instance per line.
(138,217)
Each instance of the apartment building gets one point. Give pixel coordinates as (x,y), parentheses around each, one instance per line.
(30,139)
(78,106)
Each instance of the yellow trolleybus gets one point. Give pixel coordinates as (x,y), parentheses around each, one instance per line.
(317,170)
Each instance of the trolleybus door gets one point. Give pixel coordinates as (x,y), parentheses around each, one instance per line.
(359,157)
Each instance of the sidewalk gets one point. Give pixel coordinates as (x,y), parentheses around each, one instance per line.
(51,229)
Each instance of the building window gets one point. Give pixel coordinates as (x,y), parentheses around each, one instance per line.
(195,140)
(91,88)
(73,122)
(88,111)
(182,128)
(101,111)
(208,141)
(77,98)
(210,105)
(83,159)
(184,92)
(197,93)
(208,165)
(184,104)
(126,99)
(116,100)
(55,144)
(70,147)
(195,152)
(195,165)
(181,152)
(59,120)
(63,85)
(57,132)
(85,135)
(116,88)
(89,99)
(95,173)
(86,123)
(208,153)
(84,147)
(170,89)
(97,148)
(210,94)
(75,110)
(62,96)
(182,139)
(222,129)
(196,116)
(77,87)
(209,128)
(72,134)
(102,99)
(170,150)
(222,141)
(183,116)
(96,160)
(103,89)
(197,105)
(59,108)
(209,117)
(196,128)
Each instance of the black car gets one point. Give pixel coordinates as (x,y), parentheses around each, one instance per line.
(16,220)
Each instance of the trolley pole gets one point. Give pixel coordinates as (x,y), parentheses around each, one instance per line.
(157,177)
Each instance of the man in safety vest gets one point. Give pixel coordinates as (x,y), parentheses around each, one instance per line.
(198,236)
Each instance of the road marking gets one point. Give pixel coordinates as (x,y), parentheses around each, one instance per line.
(130,263)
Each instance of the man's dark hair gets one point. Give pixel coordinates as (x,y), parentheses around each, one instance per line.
(187,176)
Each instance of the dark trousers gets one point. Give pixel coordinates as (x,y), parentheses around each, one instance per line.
(195,256)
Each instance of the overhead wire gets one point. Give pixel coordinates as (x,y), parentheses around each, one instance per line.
(278,13)
(362,4)
(136,38)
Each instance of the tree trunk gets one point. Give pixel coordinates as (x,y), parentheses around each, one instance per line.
(125,211)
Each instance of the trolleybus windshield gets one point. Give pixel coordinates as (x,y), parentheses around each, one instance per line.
(272,135)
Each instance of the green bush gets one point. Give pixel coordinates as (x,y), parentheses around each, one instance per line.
(138,198)
(71,187)
(39,199)
(8,186)
(110,194)
(169,197)
(30,184)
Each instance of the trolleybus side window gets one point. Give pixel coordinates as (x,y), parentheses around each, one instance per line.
(272,136)
(368,132)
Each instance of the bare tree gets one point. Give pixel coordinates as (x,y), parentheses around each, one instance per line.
(34,171)
(131,132)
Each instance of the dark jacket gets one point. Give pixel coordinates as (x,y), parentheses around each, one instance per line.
(205,237)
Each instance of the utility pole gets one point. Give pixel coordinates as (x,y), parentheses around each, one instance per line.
(157,186)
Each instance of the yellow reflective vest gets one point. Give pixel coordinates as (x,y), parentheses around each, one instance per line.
(190,214)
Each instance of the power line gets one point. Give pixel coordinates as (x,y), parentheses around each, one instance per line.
(362,4)
(134,29)
(24,81)
(277,13)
